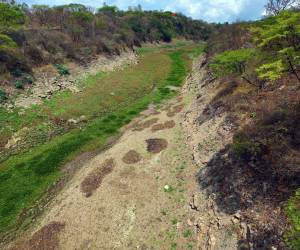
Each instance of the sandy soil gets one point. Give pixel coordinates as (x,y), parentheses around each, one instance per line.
(143,192)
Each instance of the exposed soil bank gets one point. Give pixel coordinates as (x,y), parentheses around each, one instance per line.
(48,81)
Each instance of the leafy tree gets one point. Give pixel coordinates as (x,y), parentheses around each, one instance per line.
(280,37)
(271,71)
(233,62)
(42,12)
(108,9)
(10,17)
(74,7)
(6,42)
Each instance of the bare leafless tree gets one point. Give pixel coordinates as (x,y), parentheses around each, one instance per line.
(273,7)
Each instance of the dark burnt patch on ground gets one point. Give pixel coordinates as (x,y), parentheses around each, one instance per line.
(131,157)
(156,145)
(240,190)
(95,178)
(47,238)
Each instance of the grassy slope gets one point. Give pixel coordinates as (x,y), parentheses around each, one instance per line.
(25,177)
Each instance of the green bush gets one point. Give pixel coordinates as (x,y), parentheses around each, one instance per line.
(62,69)
(17,72)
(19,84)
(3,96)
(246,149)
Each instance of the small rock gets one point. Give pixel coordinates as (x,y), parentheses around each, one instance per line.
(237,215)
(166,188)
(179,226)
(190,223)
(246,232)
(195,202)
(74,89)
(12,142)
(234,220)
(83,118)
(74,121)
(43,96)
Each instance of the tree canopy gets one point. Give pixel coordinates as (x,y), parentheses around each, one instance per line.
(11,16)
(279,36)
(275,50)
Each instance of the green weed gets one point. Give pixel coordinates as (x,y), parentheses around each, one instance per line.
(187,233)
(292,237)
(62,69)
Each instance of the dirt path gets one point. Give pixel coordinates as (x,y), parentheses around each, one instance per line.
(143,192)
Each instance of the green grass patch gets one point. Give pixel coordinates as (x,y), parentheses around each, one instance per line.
(292,237)
(25,178)
(187,233)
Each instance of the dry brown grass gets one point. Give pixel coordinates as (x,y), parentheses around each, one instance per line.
(156,145)
(95,178)
(131,157)
(47,238)
(146,124)
(161,126)
(175,110)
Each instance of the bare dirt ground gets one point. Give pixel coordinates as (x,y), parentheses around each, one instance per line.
(144,192)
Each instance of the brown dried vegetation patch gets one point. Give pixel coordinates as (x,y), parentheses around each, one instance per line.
(47,238)
(146,124)
(131,157)
(162,126)
(156,145)
(175,110)
(95,178)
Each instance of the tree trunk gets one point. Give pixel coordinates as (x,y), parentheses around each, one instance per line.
(248,81)
(293,69)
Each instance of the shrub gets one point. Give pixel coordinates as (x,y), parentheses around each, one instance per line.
(62,69)
(17,72)
(247,149)
(3,96)
(19,84)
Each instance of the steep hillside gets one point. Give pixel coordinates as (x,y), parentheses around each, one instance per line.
(257,65)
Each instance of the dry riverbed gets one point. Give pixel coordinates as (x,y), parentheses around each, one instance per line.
(143,192)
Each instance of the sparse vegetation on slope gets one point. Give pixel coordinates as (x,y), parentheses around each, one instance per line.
(74,32)
(258,65)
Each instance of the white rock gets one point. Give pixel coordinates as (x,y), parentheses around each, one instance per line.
(74,121)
